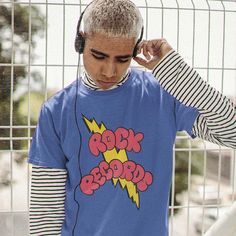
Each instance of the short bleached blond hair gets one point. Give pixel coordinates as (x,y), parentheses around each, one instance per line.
(118,18)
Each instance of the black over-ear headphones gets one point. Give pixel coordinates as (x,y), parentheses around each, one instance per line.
(80,40)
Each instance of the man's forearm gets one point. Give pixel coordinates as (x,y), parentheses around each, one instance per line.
(47,199)
(217,119)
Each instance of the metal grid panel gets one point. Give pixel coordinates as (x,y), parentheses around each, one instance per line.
(203,33)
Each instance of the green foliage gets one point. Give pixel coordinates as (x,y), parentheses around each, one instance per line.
(15,37)
(34,100)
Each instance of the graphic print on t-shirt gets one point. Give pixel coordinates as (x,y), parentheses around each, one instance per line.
(116,166)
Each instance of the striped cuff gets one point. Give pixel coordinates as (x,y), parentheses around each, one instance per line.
(47,198)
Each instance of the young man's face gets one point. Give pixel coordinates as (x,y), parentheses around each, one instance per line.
(106,59)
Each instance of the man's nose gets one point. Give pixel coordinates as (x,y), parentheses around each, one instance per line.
(109,70)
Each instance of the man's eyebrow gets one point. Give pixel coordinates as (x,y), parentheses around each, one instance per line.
(106,55)
(124,56)
(98,52)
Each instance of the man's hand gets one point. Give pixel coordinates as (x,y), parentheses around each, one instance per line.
(153,50)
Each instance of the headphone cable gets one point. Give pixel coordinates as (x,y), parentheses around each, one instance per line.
(80,141)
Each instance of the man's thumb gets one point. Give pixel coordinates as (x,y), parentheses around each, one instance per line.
(140,61)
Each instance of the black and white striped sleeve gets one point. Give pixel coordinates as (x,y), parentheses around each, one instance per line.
(217,118)
(47,197)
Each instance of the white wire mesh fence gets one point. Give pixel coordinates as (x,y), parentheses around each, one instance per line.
(37,58)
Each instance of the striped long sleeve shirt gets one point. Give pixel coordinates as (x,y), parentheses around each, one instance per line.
(216,123)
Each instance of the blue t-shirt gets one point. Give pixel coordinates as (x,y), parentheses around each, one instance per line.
(117,147)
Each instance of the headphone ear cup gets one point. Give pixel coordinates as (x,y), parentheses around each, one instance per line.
(79,43)
(135,51)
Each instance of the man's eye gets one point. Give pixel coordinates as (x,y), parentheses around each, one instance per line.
(98,57)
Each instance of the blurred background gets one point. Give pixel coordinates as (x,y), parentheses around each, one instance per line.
(37,59)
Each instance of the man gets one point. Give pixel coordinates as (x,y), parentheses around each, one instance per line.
(102,151)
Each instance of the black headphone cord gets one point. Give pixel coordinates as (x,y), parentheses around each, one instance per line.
(80,142)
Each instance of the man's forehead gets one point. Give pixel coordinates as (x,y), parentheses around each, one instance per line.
(110,38)
(119,46)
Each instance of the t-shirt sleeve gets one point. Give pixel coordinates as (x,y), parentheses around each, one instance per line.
(185,118)
(46,148)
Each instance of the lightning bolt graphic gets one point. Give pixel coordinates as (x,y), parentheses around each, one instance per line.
(111,155)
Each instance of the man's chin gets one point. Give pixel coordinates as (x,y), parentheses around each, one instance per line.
(105,85)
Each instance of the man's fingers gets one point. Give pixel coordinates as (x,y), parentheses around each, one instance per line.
(149,64)
(143,48)
(150,48)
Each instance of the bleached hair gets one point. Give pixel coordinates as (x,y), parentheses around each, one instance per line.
(113,18)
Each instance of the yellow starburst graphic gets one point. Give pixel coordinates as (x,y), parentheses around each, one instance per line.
(113,154)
